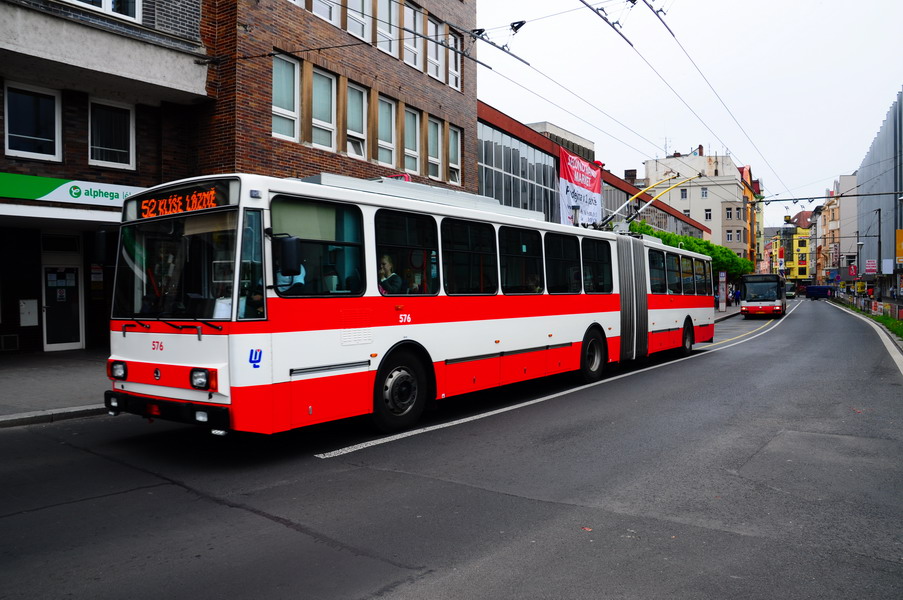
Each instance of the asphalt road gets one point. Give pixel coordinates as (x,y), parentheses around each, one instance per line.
(767,465)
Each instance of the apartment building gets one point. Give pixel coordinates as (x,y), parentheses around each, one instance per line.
(723,198)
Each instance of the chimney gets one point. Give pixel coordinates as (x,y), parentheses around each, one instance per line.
(700,150)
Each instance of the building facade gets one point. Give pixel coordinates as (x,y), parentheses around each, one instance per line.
(102,99)
(723,198)
(519,166)
(880,210)
(365,88)
(98,101)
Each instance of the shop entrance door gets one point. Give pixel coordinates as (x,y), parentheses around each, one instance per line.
(62,308)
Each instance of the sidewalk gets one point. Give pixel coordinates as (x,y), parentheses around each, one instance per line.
(42,387)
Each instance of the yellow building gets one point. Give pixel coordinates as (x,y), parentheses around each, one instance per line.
(790,254)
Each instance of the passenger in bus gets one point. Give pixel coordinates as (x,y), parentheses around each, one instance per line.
(389,281)
(292,285)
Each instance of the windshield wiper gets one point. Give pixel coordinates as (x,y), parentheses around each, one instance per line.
(127,325)
(196,327)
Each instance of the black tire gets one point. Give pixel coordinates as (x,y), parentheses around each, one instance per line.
(400,392)
(686,343)
(593,357)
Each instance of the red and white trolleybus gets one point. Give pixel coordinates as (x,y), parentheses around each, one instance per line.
(260,304)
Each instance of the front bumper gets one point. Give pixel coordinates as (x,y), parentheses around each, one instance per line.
(207,415)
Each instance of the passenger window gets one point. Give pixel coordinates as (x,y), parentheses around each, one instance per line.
(597,267)
(562,264)
(657,282)
(699,267)
(520,257)
(686,269)
(331,247)
(672,268)
(407,247)
(469,263)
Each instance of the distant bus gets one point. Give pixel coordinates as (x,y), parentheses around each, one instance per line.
(257,304)
(763,295)
(791,290)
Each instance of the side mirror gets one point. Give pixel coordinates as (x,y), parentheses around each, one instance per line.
(289,255)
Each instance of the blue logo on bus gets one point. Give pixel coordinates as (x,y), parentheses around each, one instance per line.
(255,358)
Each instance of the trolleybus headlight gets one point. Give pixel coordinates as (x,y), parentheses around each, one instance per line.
(118,369)
(203,379)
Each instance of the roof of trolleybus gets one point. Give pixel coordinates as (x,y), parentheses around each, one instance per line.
(404,195)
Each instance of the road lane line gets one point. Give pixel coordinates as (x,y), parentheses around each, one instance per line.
(407,434)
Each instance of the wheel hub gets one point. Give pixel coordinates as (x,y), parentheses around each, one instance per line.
(400,391)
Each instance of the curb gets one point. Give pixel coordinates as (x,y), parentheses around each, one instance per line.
(51,416)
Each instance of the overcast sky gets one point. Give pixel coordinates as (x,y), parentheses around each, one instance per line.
(808,82)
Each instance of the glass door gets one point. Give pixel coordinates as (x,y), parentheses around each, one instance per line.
(63,328)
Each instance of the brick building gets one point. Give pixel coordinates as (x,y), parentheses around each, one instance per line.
(104,98)
(362,88)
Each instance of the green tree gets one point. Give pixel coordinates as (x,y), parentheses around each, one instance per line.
(723,259)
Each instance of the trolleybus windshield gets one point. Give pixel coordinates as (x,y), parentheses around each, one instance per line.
(179,267)
(761,291)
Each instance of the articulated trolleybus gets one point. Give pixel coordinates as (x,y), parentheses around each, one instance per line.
(763,294)
(258,304)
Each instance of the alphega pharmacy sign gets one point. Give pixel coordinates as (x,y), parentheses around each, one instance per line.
(28,187)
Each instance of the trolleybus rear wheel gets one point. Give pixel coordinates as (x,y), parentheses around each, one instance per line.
(592,356)
(686,346)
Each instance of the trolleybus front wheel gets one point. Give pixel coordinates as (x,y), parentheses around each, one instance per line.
(400,393)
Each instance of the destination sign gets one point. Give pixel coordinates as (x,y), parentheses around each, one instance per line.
(178,200)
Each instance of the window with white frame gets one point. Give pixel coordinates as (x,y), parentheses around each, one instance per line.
(435,52)
(33,122)
(728,213)
(323,111)
(454,155)
(704,192)
(456,44)
(686,213)
(386,25)
(286,105)
(357,121)
(413,35)
(130,9)
(434,148)
(412,141)
(683,193)
(359,19)
(708,214)
(327,9)
(729,235)
(385,152)
(112,135)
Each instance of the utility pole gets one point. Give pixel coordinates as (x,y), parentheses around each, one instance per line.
(880,266)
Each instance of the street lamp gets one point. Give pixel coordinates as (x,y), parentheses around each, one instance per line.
(859,246)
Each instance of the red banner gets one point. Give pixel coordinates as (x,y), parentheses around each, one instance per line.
(580,185)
